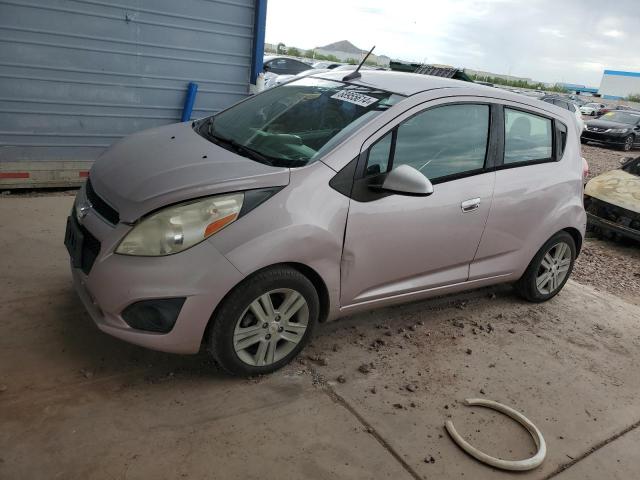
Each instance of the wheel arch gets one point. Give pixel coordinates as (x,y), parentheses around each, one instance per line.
(313,276)
(577,238)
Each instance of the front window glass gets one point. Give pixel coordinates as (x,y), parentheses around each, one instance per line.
(633,167)
(444,141)
(621,117)
(296,123)
(528,137)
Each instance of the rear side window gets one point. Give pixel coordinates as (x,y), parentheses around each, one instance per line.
(528,137)
(444,141)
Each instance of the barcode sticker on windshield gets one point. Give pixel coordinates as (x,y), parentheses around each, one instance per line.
(355,97)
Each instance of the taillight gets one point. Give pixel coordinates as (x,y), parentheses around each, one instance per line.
(585,169)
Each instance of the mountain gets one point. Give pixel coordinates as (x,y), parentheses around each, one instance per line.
(343,46)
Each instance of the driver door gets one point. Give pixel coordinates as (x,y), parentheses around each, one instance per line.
(397,244)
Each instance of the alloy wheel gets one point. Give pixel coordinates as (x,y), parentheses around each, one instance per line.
(271,327)
(628,143)
(554,268)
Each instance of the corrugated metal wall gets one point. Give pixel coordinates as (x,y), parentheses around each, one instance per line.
(75,75)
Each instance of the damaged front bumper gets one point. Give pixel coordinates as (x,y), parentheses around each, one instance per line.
(609,217)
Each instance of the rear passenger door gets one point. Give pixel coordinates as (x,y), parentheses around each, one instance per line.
(531,186)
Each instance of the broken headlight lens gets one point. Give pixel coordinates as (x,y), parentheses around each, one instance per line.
(179,227)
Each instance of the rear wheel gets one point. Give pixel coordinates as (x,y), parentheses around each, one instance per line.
(549,270)
(264,322)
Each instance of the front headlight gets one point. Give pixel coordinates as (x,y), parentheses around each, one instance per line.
(618,130)
(181,226)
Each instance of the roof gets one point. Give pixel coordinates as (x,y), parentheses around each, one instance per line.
(412,83)
(399,82)
(620,73)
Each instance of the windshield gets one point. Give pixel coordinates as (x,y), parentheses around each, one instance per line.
(592,105)
(622,117)
(633,167)
(294,124)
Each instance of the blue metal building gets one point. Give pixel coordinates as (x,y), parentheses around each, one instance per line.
(76,75)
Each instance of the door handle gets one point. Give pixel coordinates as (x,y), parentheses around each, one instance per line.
(470,205)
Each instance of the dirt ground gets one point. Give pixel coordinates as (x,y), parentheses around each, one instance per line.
(367,399)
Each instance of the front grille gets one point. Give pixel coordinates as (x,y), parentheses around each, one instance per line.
(100,206)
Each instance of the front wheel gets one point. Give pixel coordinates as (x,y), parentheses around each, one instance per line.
(549,270)
(264,322)
(628,143)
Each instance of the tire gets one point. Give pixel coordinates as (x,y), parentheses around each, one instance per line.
(527,287)
(628,143)
(239,341)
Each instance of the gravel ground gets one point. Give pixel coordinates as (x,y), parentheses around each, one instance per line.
(601,159)
(609,265)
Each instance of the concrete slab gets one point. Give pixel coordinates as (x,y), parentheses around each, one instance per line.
(619,460)
(189,427)
(80,404)
(571,366)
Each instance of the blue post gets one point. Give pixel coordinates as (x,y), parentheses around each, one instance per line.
(259,26)
(189,101)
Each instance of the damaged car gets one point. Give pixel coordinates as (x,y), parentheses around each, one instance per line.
(612,201)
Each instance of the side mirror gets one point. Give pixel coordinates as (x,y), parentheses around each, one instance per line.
(406,180)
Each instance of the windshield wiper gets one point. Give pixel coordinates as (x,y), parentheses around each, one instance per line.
(239,148)
(229,142)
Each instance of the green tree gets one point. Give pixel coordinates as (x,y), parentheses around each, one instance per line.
(634,97)
(281,48)
(309,54)
(294,52)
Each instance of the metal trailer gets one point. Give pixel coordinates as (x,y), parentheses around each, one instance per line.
(77,75)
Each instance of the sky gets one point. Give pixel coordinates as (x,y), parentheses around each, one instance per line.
(569,41)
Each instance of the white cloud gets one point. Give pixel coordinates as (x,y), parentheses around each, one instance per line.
(613,33)
(546,40)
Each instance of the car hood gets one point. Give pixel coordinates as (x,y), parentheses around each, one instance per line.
(607,124)
(616,187)
(170,164)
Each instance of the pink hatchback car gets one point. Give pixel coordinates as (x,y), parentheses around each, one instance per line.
(319,198)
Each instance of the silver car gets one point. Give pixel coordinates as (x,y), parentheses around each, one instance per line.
(320,198)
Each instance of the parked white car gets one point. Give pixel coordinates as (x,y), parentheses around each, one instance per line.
(592,109)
